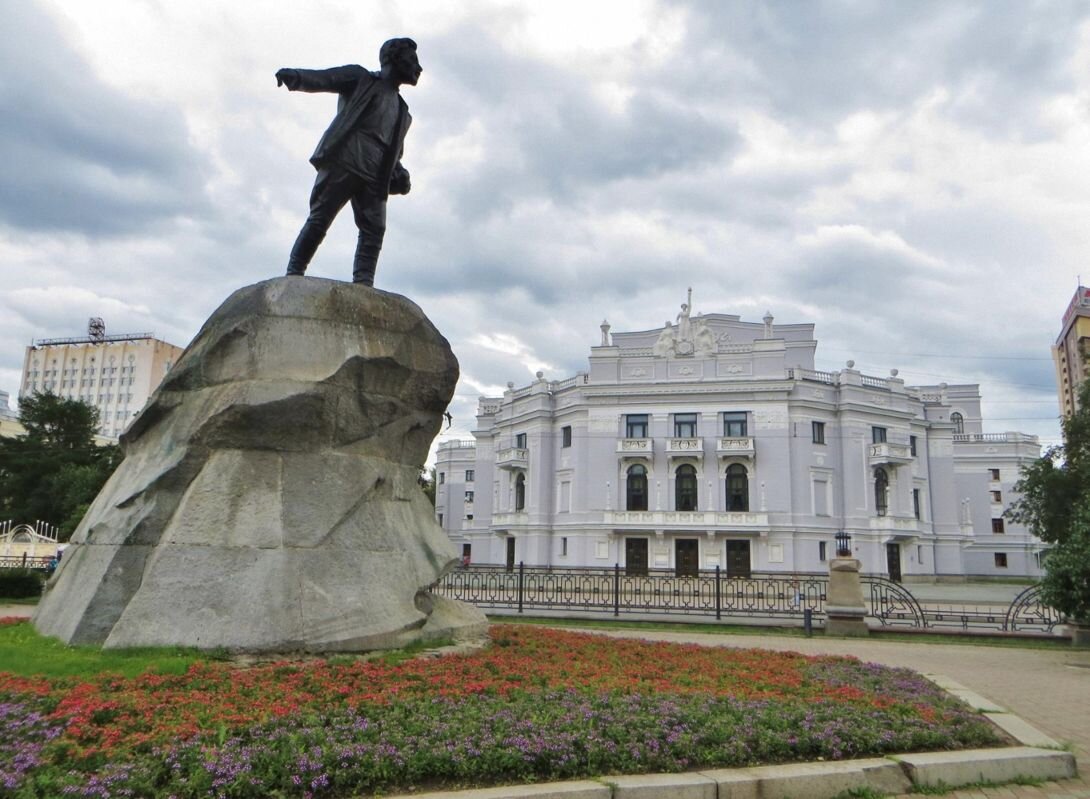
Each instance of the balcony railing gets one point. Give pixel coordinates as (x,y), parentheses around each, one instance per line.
(891,454)
(635,446)
(735,446)
(685,446)
(513,458)
(895,524)
(510,519)
(687,518)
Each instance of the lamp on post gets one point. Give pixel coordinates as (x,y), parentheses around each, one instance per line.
(843,545)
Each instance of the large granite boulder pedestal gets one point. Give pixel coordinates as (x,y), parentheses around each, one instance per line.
(269,499)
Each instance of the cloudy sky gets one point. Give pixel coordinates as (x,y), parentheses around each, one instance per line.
(914,178)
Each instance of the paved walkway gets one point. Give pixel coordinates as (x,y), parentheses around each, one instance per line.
(1048,688)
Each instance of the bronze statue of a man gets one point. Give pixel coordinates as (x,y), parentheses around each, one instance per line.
(359,157)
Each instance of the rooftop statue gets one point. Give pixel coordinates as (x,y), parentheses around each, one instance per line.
(359,157)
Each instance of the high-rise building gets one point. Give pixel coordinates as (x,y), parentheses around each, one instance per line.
(1071,349)
(114,373)
(716,443)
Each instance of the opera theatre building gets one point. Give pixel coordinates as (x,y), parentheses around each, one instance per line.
(715,442)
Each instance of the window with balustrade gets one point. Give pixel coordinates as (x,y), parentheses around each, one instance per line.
(734,425)
(685,425)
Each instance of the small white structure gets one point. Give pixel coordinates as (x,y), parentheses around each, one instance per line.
(20,543)
(714,442)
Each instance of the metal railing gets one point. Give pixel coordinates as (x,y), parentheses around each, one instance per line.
(772,596)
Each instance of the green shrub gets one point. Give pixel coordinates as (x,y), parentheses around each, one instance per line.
(20,583)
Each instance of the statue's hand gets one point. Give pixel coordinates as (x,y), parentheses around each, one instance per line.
(286,77)
(399,181)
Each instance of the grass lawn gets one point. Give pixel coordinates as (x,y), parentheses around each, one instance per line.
(537,704)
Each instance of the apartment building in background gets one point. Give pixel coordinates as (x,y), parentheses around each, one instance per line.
(117,374)
(1070,350)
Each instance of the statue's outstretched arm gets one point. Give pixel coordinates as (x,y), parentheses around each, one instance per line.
(337,79)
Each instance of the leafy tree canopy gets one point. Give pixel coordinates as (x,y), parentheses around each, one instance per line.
(53,471)
(1055,506)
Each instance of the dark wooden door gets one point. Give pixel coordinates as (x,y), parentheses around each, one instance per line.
(635,556)
(687,557)
(738,562)
(893,561)
(510,554)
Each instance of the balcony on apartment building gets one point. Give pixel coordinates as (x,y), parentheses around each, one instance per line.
(636,447)
(685,447)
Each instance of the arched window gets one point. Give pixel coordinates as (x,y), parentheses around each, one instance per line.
(881,486)
(520,492)
(959,422)
(685,488)
(737,488)
(636,492)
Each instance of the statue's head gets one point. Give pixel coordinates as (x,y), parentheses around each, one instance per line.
(398,60)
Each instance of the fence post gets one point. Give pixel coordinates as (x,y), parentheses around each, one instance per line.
(718,596)
(520,586)
(616,589)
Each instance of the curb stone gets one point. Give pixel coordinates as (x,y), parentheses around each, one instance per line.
(887,776)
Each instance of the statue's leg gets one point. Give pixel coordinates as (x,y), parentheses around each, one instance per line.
(332,189)
(370,213)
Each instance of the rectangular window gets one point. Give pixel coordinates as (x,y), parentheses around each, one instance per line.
(565,497)
(685,425)
(563,547)
(821,497)
(1000,560)
(817,429)
(469,475)
(635,425)
(442,477)
(469,496)
(994,474)
(912,446)
(997,496)
(916,502)
(440,519)
(999,526)
(520,441)
(734,425)
(565,436)
(878,435)
(821,551)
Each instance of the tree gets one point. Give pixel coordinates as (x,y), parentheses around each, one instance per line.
(427,483)
(1054,504)
(53,471)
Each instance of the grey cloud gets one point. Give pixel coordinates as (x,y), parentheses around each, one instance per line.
(822,60)
(81,156)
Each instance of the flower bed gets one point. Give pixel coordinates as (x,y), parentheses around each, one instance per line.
(538,704)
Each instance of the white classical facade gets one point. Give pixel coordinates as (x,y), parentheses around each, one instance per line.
(117,374)
(714,442)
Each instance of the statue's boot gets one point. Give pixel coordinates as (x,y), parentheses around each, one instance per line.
(366,262)
(305,246)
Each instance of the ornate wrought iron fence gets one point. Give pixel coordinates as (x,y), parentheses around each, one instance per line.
(768,595)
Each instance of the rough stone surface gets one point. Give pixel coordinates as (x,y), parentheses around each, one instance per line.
(268,500)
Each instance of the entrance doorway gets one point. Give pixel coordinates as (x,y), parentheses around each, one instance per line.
(893,561)
(738,562)
(510,553)
(635,556)
(686,557)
